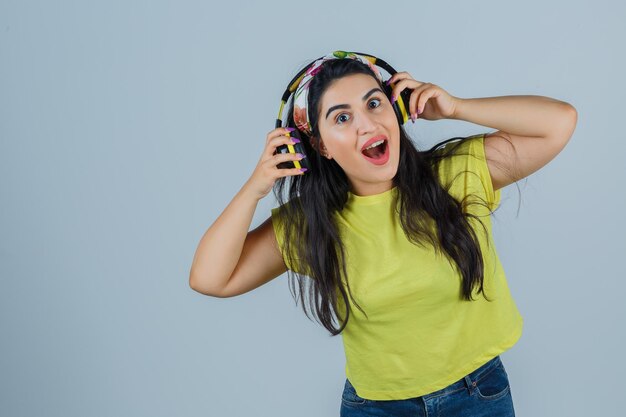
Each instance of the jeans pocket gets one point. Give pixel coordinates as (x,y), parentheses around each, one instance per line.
(349,395)
(494,384)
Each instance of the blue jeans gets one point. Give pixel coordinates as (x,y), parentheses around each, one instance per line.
(483,392)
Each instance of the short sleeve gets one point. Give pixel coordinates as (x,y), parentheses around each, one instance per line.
(479,163)
(279,230)
(467,172)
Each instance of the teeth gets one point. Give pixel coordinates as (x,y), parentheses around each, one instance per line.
(374,144)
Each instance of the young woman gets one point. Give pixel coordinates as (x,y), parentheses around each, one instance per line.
(393,241)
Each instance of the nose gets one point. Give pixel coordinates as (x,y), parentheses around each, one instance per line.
(366,123)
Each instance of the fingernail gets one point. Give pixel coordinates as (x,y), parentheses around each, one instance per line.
(393,99)
(295,140)
(388,81)
(419,111)
(303,169)
(291,129)
(299,155)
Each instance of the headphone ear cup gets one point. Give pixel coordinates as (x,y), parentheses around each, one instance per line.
(401,105)
(295,148)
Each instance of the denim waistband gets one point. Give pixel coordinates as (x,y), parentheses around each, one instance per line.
(468,381)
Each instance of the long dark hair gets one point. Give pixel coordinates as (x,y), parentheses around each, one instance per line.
(428,213)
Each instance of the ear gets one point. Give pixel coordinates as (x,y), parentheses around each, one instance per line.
(322,148)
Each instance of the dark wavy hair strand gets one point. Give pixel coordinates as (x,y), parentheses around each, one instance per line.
(429,215)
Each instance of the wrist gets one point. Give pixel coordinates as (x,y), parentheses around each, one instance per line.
(459,103)
(248,194)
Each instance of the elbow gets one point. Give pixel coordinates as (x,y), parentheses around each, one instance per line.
(564,125)
(572,113)
(571,121)
(194,285)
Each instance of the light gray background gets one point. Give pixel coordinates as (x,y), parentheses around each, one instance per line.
(127,127)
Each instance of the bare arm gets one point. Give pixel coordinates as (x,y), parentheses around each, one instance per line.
(533,131)
(220,248)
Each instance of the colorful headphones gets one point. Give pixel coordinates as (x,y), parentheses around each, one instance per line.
(400,107)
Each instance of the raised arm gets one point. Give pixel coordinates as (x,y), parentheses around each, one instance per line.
(221,245)
(230,260)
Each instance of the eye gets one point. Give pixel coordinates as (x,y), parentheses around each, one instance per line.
(371,101)
(339,117)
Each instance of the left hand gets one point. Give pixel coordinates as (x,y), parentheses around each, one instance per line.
(433,100)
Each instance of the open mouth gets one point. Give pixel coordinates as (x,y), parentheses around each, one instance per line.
(378,154)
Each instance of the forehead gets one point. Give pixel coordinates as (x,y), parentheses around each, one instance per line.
(347,89)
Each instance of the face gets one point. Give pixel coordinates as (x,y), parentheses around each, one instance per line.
(353,110)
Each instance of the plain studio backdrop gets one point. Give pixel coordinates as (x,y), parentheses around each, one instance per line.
(127,127)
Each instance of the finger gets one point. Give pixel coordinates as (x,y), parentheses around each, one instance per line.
(398,76)
(401,85)
(414,100)
(281,131)
(284,157)
(424,96)
(413,104)
(278,132)
(290,172)
(279,138)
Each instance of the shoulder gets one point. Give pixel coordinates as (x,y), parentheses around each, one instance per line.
(463,169)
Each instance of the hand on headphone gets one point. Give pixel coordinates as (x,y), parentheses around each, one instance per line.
(442,105)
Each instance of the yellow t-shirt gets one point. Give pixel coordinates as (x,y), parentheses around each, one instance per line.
(420,336)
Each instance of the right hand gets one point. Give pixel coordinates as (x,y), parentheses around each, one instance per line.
(266,172)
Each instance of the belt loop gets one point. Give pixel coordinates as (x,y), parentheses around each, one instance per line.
(470,384)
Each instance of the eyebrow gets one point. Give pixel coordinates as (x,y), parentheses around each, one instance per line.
(346,106)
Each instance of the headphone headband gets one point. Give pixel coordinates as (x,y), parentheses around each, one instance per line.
(295,82)
(400,106)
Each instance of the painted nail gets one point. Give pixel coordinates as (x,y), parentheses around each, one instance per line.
(291,129)
(300,156)
(419,111)
(295,140)
(393,99)
(303,169)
